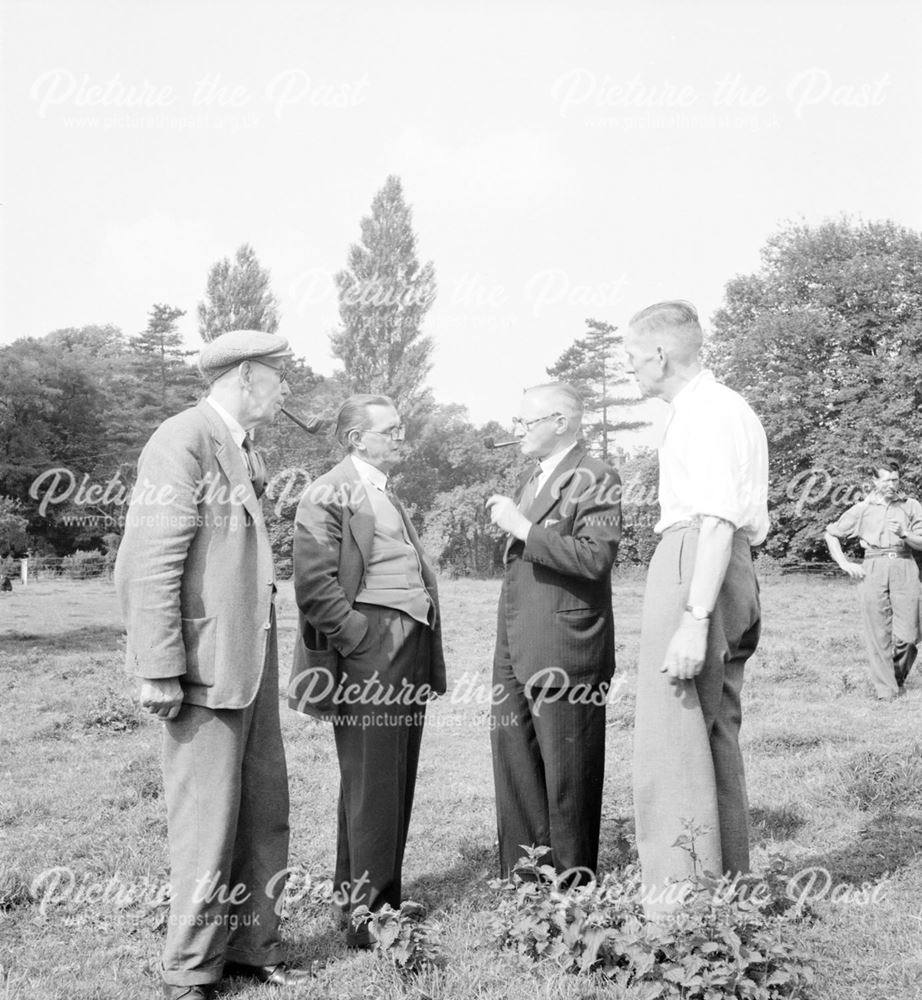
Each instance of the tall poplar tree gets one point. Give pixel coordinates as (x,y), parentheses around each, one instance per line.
(384,295)
(238,297)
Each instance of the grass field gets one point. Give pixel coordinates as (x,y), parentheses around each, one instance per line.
(835,782)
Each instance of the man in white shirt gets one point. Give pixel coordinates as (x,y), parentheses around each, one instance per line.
(701,615)
(555,640)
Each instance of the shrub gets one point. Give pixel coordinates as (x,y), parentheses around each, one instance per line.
(403,936)
(724,941)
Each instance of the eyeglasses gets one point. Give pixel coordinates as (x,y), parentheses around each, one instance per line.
(397,433)
(281,370)
(527,425)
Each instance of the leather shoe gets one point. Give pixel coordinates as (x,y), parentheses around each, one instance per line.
(205,991)
(275,975)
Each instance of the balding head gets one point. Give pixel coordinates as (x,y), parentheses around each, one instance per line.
(560,397)
(549,419)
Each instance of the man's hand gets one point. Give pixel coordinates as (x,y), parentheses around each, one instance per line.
(505,514)
(687,648)
(897,528)
(854,570)
(162,697)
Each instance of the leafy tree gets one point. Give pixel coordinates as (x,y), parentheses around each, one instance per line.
(166,382)
(13,527)
(238,297)
(444,450)
(826,344)
(66,404)
(639,507)
(594,366)
(384,295)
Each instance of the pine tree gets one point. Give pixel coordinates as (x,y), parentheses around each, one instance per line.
(384,295)
(238,297)
(592,365)
(160,347)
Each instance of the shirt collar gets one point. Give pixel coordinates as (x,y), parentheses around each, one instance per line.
(238,433)
(552,461)
(875,497)
(684,395)
(370,474)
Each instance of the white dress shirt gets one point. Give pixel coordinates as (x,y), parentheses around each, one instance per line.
(549,465)
(237,432)
(714,460)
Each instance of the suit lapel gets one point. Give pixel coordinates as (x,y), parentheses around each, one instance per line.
(361,513)
(553,489)
(230,459)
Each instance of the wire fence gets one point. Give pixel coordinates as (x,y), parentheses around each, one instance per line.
(79,565)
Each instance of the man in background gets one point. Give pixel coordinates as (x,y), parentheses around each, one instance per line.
(701,613)
(555,641)
(196,581)
(370,651)
(889,525)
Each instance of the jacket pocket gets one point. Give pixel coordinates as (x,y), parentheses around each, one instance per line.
(198,636)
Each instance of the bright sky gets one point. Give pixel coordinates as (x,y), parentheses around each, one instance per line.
(562,160)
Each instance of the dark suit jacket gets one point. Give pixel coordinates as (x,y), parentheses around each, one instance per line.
(333,538)
(556,595)
(194,571)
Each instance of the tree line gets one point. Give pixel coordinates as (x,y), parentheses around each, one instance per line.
(824,341)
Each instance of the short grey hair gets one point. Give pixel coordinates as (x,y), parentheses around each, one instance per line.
(565,398)
(353,415)
(675,320)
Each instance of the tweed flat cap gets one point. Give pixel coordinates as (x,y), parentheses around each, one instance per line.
(228,350)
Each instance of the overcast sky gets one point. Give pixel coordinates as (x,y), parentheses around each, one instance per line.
(561,160)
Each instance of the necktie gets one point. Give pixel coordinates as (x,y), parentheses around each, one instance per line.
(529,492)
(256,467)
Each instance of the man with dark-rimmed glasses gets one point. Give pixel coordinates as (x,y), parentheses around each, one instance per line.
(369,654)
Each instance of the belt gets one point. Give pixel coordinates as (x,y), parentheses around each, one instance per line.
(680,525)
(888,554)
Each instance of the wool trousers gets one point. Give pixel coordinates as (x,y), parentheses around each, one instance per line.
(226,790)
(688,769)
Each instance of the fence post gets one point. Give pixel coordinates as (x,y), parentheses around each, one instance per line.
(24,570)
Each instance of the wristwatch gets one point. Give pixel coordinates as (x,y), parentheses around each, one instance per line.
(698,612)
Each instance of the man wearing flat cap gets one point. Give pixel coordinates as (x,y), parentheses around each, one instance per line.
(195,578)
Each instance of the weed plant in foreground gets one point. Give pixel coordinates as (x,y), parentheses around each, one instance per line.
(725,941)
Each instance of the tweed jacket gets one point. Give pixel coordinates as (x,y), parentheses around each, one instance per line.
(194,571)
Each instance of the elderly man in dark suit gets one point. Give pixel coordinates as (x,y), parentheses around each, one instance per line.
(370,655)
(555,645)
(195,577)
